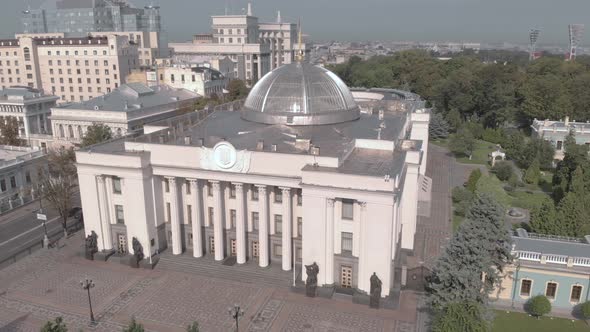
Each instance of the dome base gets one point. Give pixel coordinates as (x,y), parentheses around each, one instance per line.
(300,119)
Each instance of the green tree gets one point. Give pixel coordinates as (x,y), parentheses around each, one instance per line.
(97,133)
(9,131)
(462,198)
(237,90)
(463,142)
(460,317)
(438,127)
(454,119)
(503,170)
(544,219)
(585,309)
(533,173)
(491,185)
(471,184)
(193,327)
(134,326)
(538,306)
(55,326)
(574,208)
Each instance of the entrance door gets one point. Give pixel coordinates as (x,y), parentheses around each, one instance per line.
(254,248)
(211,244)
(234,250)
(121,243)
(346,276)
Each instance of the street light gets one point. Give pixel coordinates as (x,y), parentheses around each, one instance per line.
(87,284)
(236,312)
(43,217)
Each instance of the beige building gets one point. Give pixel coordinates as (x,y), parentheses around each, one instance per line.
(19,170)
(202,80)
(298,175)
(149,45)
(73,69)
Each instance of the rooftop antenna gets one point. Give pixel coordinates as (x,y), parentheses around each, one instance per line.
(299,57)
(279,16)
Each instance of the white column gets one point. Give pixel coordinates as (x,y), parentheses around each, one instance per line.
(38,123)
(329,241)
(26,124)
(107,239)
(174,216)
(262,226)
(217,224)
(287,229)
(240,224)
(363,277)
(196,218)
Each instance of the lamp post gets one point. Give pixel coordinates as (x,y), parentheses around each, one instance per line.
(236,312)
(515,281)
(87,284)
(43,217)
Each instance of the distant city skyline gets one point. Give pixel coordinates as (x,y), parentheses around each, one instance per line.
(388,20)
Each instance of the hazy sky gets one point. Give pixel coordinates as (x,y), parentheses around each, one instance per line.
(422,20)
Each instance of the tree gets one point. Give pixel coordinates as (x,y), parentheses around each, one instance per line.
(454,119)
(460,317)
(491,185)
(134,326)
(538,306)
(438,128)
(585,309)
(97,133)
(471,184)
(55,326)
(544,219)
(503,170)
(462,142)
(9,131)
(60,181)
(193,327)
(237,90)
(462,198)
(533,173)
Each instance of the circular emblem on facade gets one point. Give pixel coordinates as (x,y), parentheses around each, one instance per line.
(225,155)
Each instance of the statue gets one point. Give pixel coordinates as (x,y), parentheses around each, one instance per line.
(91,246)
(312,279)
(375,291)
(137,253)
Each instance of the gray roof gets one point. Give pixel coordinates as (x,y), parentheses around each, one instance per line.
(21,93)
(133,96)
(552,246)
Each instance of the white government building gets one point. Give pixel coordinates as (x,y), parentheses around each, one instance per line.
(299,174)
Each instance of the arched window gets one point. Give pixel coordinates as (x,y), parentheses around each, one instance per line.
(70,131)
(27,54)
(61,131)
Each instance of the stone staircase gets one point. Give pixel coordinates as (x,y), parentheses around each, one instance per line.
(249,272)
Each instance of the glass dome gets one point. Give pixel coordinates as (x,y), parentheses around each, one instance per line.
(300,94)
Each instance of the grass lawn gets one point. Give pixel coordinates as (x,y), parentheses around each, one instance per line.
(525,200)
(519,322)
(480,153)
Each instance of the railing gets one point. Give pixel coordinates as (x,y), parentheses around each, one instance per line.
(581,261)
(528,256)
(556,259)
(555,237)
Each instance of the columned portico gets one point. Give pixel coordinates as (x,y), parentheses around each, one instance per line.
(217,220)
(107,240)
(287,229)
(263,226)
(196,218)
(329,241)
(174,216)
(240,224)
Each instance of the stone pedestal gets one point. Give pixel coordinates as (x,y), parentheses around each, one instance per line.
(103,255)
(326,292)
(133,262)
(145,263)
(311,291)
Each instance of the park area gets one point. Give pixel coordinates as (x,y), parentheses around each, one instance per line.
(519,322)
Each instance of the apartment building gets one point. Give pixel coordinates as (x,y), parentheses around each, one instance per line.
(73,69)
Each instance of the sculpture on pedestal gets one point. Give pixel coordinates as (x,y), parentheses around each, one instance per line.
(137,253)
(312,279)
(91,245)
(375,291)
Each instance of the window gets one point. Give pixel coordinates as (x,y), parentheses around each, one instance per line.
(559,145)
(116,185)
(12,182)
(346,242)
(254,193)
(576,293)
(525,287)
(3,185)
(28,177)
(168,214)
(96,63)
(119,214)
(278,250)
(106,63)
(232,191)
(189,213)
(278,195)
(278,224)
(299,226)
(347,209)
(172,78)
(166,185)
(551,290)
(299,197)
(232,218)
(254,220)
(209,189)
(187,185)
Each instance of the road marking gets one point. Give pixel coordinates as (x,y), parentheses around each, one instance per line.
(27,232)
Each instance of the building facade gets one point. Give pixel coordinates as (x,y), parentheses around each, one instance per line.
(297,175)
(558,268)
(31,107)
(557,131)
(19,175)
(73,69)
(125,110)
(202,80)
(80,17)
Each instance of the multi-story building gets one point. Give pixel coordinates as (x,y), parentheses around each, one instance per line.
(73,69)
(80,17)
(298,175)
(202,80)
(557,131)
(125,110)
(31,107)
(19,175)
(150,46)
(547,265)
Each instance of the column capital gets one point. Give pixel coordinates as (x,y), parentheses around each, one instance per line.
(330,202)
(286,190)
(215,184)
(239,186)
(101,178)
(193,181)
(363,205)
(172,179)
(261,187)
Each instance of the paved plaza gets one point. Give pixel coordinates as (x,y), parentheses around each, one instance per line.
(46,285)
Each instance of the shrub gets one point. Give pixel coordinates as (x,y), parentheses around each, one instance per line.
(585,309)
(462,199)
(513,181)
(495,136)
(533,173)
(471,184)
(55,326)
(538,306)
(134,326)
(503,170)
(491,185)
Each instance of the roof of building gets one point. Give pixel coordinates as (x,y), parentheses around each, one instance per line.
(11,155)
(524,241)
(300,94)
(133,96)
(21,93)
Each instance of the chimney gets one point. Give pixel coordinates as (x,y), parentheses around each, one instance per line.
(260,145)
(201,142)
(315,150)
(249,9)
(273,147)
(187,140)
(279,16)
(567,120)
